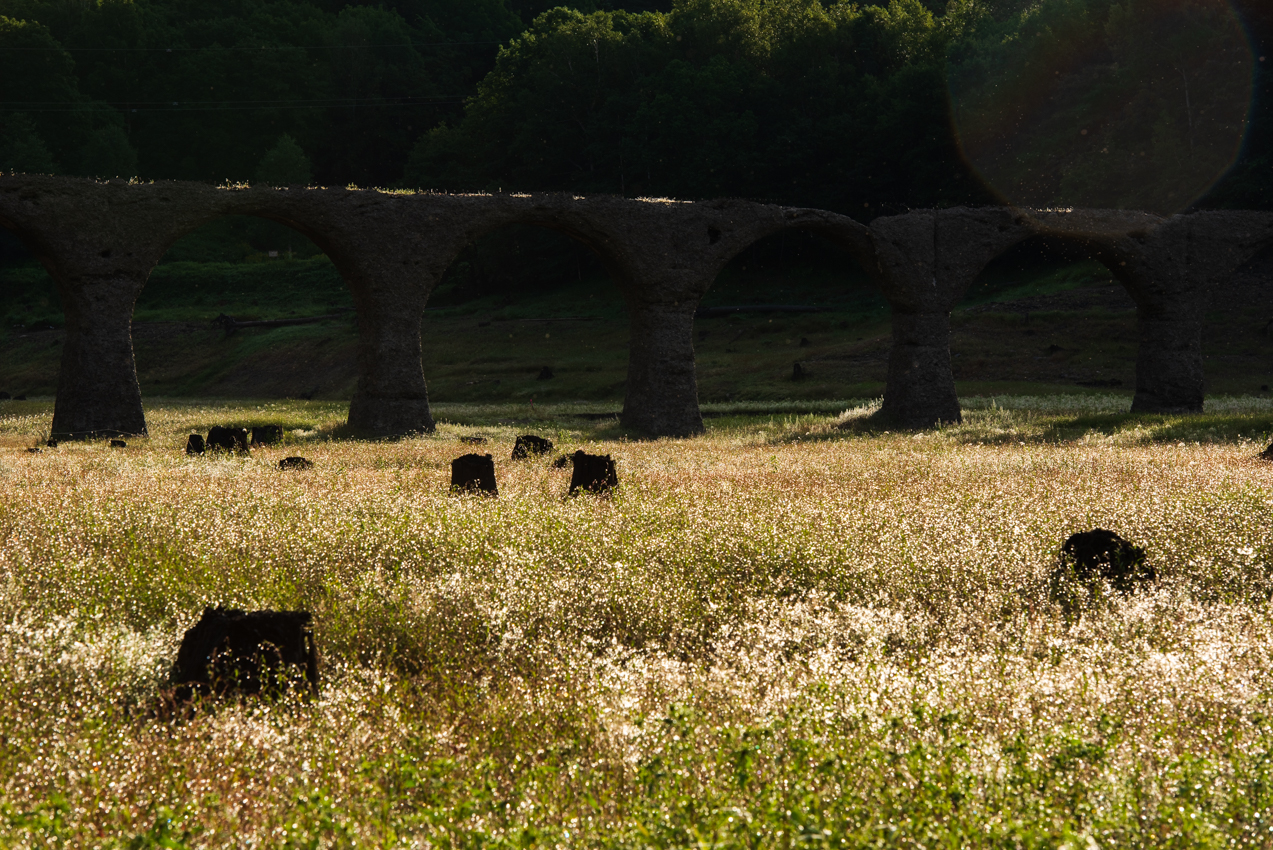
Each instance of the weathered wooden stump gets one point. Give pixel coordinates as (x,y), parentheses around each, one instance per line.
(246,652)
(529,445)
(593,473)
(474,473)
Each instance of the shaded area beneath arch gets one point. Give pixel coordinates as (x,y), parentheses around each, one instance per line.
(1045,314)
(31,322)
(792,298)
(253,271)
(1044,317)
(526,312)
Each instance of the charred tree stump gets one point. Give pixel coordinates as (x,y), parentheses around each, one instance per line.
(230,651)
(228,439)
(474,473)
(593,473)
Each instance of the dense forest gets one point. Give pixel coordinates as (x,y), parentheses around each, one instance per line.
(858,107)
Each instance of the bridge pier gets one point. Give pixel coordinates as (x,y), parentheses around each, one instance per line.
(1172,272)
(925,262)
(920,391)
(1169,366)
(661,397)
(97,391)
(392,398)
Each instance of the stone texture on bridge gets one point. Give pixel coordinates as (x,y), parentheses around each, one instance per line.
(100,241)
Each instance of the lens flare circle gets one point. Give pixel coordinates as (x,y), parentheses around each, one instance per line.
(1139,104)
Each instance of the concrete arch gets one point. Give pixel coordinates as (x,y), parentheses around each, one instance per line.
(839,242)
(1169,267)
(930,258)
(100,240)
(851,237)
(599,241)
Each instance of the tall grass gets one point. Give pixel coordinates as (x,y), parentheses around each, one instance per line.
(786,633)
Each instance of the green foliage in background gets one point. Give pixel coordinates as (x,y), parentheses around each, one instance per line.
(816,102)
(285,165)
(830,105)
(1140,104)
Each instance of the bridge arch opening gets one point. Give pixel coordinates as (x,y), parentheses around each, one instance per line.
(32,324)
(245,307)
(1237,334)
(792,316)
(527,311)
(1045,316)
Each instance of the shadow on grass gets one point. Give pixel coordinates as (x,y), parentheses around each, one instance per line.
(1006,427)
(1161,428)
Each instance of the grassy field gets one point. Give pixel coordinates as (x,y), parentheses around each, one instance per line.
(795,631)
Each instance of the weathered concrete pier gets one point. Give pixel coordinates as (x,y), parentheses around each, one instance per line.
(101,240)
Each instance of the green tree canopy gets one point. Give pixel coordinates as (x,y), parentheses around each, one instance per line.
(1137,103)
(21,148)
(108,153)
(818,103)
(284,165)
(857,106)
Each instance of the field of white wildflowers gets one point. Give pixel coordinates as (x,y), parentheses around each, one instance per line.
(794,631)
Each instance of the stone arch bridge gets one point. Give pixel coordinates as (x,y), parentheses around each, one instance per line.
(100,241)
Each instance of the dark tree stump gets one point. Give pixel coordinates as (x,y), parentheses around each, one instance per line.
(246,652)
(195,445)
(267,435)
(228,439)
(474,472)
(119,444)
(593,473)
(295,463)
(1090,558)
(528,445)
